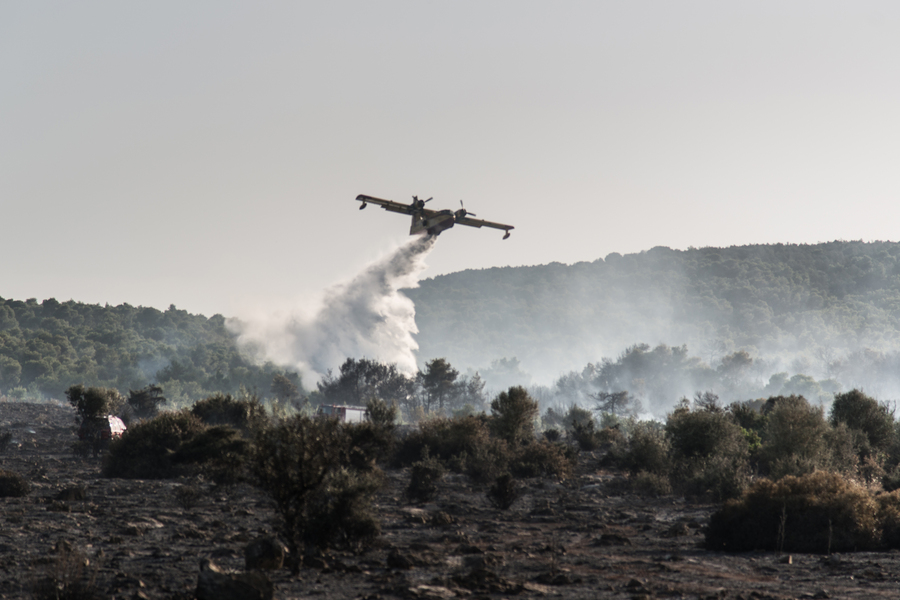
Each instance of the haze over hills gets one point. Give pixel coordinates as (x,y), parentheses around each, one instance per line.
(741,322)
(812,309)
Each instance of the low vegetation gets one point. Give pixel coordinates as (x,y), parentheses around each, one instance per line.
(13,485)
(791,477)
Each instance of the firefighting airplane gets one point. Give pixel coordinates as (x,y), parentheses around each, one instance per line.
(428,221)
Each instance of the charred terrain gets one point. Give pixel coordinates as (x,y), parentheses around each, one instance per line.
(582,538)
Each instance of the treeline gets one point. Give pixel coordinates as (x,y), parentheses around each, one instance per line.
(46,347)
(439,389)
(653,380)
(825,306)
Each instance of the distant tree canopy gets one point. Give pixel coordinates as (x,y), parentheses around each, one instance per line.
(439,388)
(47,347)
(834,305)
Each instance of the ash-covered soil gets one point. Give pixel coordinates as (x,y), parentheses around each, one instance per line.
(583,538)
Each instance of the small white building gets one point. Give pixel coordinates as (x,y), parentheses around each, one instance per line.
(344,413)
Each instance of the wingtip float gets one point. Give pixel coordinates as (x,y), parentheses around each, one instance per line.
(432,222)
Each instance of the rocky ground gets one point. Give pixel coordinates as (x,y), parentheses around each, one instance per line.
(582,538)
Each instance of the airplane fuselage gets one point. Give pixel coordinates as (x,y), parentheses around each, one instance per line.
(434,224)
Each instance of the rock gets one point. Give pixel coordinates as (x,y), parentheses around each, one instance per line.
(611,539)
(395,560)
(215,584)
(265,553)
(432,592)
(73,493)
(677,530)
(442,519)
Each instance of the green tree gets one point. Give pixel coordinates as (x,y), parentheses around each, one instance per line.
(617,403)
(439,382)
(94,402)
(284,388)
(512,416)
(865,414)
(145,402)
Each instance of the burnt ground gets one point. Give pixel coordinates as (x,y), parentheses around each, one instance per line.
(583,538)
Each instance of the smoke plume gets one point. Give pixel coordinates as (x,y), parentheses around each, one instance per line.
(365,317)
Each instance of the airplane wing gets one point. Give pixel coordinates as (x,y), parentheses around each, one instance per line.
(483,223)
(385,204)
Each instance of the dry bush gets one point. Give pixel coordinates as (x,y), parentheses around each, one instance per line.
(68,578)
(149,450)
(650,484)
(13,485)
(504,492)
(819,512)
(188,495)
(304,464)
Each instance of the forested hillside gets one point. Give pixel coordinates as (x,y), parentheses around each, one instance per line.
(46,347)
(828,310)
(741,322)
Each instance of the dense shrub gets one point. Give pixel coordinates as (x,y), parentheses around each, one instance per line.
(702,433)
(748,415)
(585,434)
(340,510)
(94,402)
(13,485)
(246,414)
(577,416)
(149,450)
(819,512)
(543,459)
(512,416)
(709,452)
(304,464)
(219,452)
(794,439)
(647,450)
(373,439)
(463,445)
(423,479)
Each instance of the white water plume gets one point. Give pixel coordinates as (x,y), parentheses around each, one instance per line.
(365,317)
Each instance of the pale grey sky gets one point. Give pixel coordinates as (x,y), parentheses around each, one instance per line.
(208,154)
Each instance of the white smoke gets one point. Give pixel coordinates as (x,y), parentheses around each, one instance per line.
(365,317)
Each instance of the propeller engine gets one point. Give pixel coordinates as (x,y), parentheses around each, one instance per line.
(420,204)
(462,212)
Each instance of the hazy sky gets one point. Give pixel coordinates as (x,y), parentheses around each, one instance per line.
(208,154)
